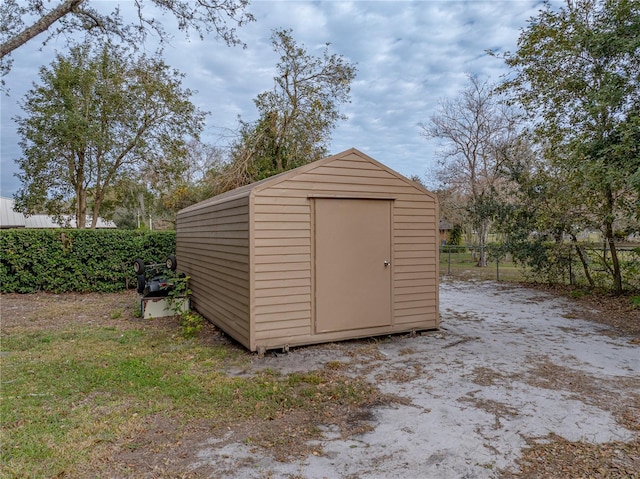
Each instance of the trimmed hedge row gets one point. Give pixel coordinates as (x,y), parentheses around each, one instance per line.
(63,260)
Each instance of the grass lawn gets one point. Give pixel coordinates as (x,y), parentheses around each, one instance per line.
(80,383)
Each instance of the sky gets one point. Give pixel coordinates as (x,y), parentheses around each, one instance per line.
(410,55)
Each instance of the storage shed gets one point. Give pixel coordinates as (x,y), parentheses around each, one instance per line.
(341,248)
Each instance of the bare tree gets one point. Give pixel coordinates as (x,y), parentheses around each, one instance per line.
(23,20)
(452,206)
(473,129)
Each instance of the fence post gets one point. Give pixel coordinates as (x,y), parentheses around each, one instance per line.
(449,261)
(497,267)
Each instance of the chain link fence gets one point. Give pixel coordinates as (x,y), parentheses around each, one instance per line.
(577,264)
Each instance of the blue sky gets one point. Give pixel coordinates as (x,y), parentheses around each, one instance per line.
(409,55)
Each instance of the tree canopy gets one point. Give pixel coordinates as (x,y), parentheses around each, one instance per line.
(100,113)
(296,117)
(577,73)
(23,20)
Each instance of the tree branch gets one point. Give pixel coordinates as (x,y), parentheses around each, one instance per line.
(40,26)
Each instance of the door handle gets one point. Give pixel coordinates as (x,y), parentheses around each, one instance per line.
(387,263)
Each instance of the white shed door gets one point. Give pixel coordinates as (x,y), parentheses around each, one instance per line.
(352,264)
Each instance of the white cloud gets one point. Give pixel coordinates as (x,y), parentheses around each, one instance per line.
(408,55)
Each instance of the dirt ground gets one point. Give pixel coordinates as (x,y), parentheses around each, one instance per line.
(517,383)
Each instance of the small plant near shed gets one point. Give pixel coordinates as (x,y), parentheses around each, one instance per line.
(136,311)
(179,291)
(335,365)
(191,324)
(190,321)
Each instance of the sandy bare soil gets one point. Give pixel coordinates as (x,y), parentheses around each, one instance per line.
(514,375)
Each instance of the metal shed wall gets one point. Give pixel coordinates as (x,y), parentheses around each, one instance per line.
(213,250)
(258,281)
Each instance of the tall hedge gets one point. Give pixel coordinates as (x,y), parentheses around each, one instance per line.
(76,260)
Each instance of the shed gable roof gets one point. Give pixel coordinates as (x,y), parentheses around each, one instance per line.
(249,189)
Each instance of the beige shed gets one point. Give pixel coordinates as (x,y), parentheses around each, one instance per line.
(341,248)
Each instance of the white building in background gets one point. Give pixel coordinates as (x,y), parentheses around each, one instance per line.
(12,219)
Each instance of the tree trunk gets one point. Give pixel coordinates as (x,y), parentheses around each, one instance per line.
(483,236)
(616,272)
(94,215)
(583,260)
(97,203)
(142,210)
(610,240)
(40,26)
(81,208)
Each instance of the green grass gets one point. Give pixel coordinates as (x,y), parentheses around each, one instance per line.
(69,396)
(463,265)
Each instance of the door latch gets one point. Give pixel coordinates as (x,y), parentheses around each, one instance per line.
(387,263)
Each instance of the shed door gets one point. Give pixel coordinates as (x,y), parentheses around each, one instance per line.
(352,264)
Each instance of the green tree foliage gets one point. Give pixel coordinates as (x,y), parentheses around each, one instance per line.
(23,20)
(577,73)
(455,237)
(542,210)
(203,165)
(99,114)
(296,118)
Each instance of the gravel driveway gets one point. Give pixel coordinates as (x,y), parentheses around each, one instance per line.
(510,367)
